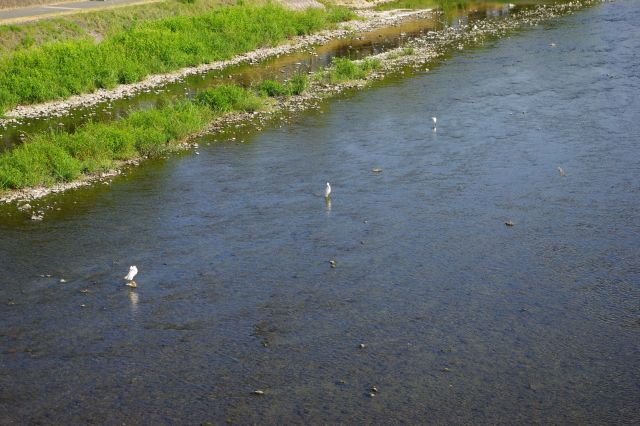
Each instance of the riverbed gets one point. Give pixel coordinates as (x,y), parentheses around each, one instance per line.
(451,315)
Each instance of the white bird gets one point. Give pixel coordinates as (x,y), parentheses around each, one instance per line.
(435,120)
(327,191)
(133,271)
(561,171)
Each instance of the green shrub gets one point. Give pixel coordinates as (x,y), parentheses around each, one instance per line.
(228,97)
(271,88)
(343,69)
(297,84)
(370,64)
(340,14)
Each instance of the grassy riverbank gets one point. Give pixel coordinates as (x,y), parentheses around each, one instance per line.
(49,158)
(64,68)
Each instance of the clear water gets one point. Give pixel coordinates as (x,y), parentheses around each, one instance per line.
(465,320)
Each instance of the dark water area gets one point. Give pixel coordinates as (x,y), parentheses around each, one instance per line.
(280,68)
(464,320)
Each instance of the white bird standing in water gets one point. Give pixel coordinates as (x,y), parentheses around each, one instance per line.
(133,271)
(327,192)
(435,121)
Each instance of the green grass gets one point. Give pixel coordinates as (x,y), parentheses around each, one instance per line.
(344,69)
(65,68)
(272,88)
(298,84)
(60,156)
(51,157)
(295,86)
(229,97)
(96,25)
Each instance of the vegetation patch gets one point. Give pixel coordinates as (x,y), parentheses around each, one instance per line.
(53,157)
(61,156)
(230,97)
(295,86)
(344,69)
(65,68)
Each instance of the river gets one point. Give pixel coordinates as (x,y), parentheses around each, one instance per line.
(463,319)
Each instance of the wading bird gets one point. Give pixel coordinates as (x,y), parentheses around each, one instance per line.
(133,271)
(434,120)
(327,192)
(560,171)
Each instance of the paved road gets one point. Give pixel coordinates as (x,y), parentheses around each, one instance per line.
(38,12)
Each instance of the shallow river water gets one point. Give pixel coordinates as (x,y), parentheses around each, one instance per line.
(464,320)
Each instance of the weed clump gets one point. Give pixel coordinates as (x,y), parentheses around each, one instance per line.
(229,97)
(295,86)
(271,88)
(298,84)
(344,69)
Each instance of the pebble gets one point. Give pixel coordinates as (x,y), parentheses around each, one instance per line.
(62,280)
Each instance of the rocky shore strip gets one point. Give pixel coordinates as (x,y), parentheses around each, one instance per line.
(422,50)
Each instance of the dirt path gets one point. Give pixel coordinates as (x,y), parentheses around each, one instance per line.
(32,13)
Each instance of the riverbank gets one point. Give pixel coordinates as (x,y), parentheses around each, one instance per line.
(322,85)
(66,68)
(369,21)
